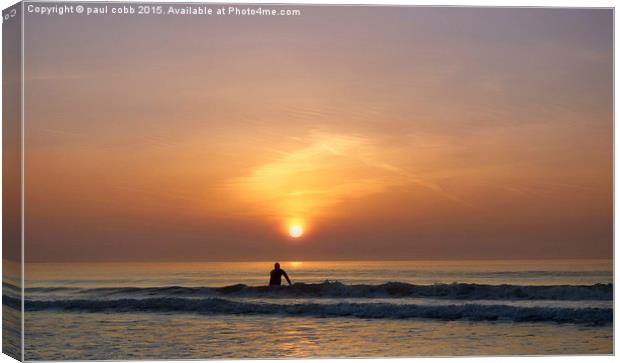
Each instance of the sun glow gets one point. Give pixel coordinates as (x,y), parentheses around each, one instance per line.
(315,177)
(308,180)
(296,231)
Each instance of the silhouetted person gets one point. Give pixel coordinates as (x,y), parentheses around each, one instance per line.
(276,276)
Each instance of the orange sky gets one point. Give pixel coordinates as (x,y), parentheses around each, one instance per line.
(386,132)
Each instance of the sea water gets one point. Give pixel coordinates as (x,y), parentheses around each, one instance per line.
(333,309)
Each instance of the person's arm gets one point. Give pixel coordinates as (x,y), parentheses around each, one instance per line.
(286,276)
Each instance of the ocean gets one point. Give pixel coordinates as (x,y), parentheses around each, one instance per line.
(333,309)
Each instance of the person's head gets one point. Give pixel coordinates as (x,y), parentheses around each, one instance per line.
(277,265)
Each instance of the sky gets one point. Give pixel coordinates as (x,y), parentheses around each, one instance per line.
(381,132)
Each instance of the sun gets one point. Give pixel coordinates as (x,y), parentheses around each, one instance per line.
(296,231)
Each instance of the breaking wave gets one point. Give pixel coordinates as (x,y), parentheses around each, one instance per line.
(211,306)
(328,289)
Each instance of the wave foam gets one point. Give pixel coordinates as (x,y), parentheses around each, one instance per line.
(593,316)
(336,289)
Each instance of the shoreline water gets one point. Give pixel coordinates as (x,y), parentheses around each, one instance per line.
(191,310)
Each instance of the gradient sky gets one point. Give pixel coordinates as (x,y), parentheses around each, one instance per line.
(398,132)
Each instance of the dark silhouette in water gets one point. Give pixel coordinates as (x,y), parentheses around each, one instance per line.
(276,276)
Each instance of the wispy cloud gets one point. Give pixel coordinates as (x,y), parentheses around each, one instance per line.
(327,170)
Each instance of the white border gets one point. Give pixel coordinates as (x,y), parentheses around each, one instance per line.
(23,190)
